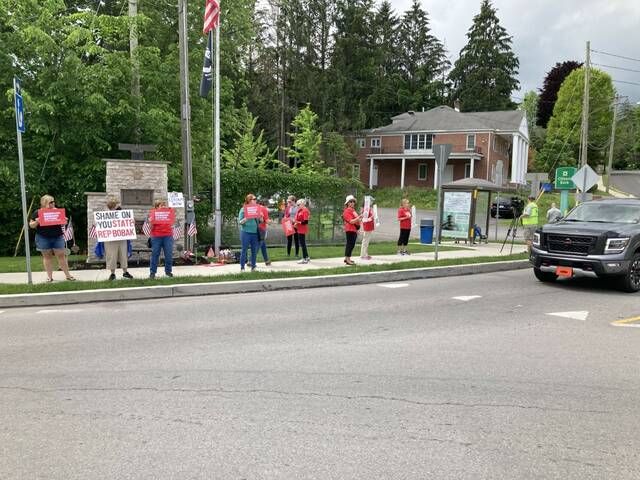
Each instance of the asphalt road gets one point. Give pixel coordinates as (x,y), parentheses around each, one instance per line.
(366,382)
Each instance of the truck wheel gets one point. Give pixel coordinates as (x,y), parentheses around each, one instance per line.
(630,281)
(544,276)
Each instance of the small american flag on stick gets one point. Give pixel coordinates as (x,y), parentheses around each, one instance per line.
(146,227)
(92,232)
(68,231)
(177,232)
(193,230)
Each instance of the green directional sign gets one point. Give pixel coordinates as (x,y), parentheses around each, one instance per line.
(563,178)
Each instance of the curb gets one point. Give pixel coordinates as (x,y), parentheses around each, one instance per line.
(225,288)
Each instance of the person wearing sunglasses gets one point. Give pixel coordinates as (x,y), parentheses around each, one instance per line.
(50,241)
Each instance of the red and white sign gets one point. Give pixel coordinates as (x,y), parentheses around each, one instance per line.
(51,216)
(252,211)
(163,216)
(114,225)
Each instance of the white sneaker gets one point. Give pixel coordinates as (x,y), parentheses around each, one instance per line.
(304,261)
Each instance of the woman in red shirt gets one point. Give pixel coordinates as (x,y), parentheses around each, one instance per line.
(161,239)
(302,227)
(351,226)
(368,226)
(404,217)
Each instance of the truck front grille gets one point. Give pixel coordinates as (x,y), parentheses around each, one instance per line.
(574,244)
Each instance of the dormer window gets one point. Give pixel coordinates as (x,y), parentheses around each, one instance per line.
(375,142)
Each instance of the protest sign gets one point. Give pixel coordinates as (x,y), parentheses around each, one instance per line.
(113,225)
(51,216)
(163,216)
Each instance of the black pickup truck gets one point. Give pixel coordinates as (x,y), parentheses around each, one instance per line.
(600,238)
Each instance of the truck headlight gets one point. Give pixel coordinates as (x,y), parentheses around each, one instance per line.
(536,239)
(616,245)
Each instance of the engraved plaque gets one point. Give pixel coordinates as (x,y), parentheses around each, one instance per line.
(132,197)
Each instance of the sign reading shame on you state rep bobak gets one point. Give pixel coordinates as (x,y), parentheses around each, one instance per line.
(112,225)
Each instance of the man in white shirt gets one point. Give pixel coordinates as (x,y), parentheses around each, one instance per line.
(553,214)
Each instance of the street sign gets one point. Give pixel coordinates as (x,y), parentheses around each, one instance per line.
(585,178)
(19,113)
(441,153)
(563,178)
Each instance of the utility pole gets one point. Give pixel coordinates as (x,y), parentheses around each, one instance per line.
(585,107)
(584,139)
(135,64)
(185,118)
(613,139)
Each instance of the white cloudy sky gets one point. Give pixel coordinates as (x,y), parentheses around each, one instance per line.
(548,31)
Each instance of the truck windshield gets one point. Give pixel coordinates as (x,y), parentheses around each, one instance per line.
(604,213)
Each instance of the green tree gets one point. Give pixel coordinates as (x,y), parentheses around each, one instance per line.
(305,145)
(626,151)
(423,62)
(562,143)
(530,106)
(485,74)
(249,151)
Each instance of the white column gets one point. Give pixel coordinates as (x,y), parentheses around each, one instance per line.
(473,164)
(371,173)
(515,167)
(525,159)
(435,174)
(402,173)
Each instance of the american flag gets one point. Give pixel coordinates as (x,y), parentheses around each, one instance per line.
(92,232)
(146,227)
(177,232)
(211,15)
(68,231)
(193,230)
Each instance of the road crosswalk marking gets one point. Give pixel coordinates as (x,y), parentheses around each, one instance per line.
(466,298)
(393,285)
(579,315)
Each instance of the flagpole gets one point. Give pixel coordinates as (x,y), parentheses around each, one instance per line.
(218,214)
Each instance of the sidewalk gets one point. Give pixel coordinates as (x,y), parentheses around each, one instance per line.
(462,251)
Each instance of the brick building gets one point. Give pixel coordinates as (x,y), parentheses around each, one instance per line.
(484,143)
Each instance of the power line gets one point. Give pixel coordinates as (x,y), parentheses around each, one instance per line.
(628,83)
(617,56)
(617,68)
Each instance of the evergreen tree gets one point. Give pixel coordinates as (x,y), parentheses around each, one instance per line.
(305,146)
(549,91)
(353,64)
(423,62)
(382,103)
(249,151)
(485,74)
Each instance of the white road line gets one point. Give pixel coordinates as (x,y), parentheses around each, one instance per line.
(1,311)
(59,311)
(467,297)
(393,285)
(580,315)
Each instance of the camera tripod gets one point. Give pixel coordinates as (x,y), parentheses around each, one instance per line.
(511,232)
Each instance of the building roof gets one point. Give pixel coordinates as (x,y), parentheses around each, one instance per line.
(446,119)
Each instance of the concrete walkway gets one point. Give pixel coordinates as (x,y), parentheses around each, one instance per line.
(461,251)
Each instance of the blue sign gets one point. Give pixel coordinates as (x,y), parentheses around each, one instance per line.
(547,187)
(19,114)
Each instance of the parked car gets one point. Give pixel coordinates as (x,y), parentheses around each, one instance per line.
(599,238)
(510,207)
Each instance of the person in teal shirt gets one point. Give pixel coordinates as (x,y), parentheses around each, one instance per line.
(249,217)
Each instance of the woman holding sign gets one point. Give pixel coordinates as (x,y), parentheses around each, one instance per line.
(48,221)
(116,251)
(161,219)
(249,218)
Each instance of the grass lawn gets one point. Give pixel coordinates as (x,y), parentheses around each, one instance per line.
(74,286)
(76,262)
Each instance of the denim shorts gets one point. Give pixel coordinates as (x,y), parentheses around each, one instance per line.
(45,244)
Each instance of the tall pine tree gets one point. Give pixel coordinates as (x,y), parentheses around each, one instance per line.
(423,62)
(485,74)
